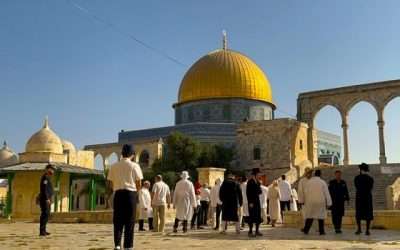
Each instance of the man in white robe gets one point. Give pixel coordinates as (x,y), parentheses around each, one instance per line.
(184,201)
(216,204)
(145,209)
(263,203)
(244,210)
(316,198)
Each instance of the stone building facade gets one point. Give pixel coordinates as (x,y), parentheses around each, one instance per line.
(276,147)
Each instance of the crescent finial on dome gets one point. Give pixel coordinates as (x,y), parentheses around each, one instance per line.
(224,40)
(46,122)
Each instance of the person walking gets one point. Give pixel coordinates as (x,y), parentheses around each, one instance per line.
(316,198)
(274,196)
(294,205)
(125,179)
(231,198)
(264,202)
(286,194)
(44,198)
(196,212)
(253,193)
(161,200)
(244,209)
(145,208)
(364,203)
(216,204)
(204,203)
(339,194)
(184,201)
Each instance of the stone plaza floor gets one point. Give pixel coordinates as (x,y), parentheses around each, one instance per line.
(99,237)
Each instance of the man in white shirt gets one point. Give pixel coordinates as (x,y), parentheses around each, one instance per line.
(125,177)
(316,200)
(145,209)
(264,203)
(204,203)
(161,198)
(286,194)
(216,204)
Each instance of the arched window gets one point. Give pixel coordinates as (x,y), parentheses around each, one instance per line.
(256,153)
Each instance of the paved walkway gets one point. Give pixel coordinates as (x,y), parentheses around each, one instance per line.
(99,237)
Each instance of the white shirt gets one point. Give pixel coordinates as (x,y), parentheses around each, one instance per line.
(264,196)
(286,190)
(124,175)
(144,198)
(214,195)
(205,194)
(160,191)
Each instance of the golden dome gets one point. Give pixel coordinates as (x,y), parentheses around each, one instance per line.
(225,74)
(7,156)
(68,146)
(45,140)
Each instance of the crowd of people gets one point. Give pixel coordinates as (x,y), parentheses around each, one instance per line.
(236,200)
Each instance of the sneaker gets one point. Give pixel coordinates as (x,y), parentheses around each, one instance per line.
(117,248)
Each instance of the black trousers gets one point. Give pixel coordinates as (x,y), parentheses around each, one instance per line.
(309,223)
(149,221)
(204,212)
(337,221)
(44,216)
(218,216)
(125,202)
(196,217)
(184,225)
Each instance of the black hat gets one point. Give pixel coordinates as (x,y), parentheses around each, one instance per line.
(49,166)
(255,171)
(364,167)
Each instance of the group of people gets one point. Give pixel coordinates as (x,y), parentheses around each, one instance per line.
(234,200)
(317,197)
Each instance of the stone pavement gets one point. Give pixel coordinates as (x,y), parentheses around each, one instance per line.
(99,237)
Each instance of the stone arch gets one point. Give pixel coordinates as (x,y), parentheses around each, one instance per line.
(353,103)
(99,162)
(357,119)
(144,158)
(329,123)
(112,158)
(391,122)
(323,105)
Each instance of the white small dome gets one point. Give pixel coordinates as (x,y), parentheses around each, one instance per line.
(68,146)
(7,156)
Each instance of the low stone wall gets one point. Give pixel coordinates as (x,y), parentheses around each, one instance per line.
(383,219)
(104,216)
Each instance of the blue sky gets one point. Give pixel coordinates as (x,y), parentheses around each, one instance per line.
(93,81)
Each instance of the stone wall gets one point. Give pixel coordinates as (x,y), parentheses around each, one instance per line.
(210,175)
(383,219)
(393,195)
(25,188)
(282,144)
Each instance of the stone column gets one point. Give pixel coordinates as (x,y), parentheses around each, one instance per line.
(311,137)
(382,150)
(345,127)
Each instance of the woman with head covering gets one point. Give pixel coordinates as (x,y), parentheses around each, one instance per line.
(364,204)
(274,196)
(253,192)
(184,201)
